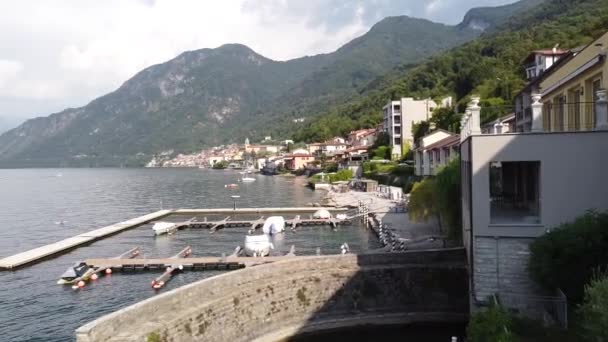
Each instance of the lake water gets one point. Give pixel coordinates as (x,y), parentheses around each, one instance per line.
(34,201)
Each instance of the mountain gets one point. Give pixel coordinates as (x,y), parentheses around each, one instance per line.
(488,18)
(489,66)
(211,96)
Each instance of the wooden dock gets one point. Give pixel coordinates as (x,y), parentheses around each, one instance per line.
(197,263)
(40,253)
(255,210)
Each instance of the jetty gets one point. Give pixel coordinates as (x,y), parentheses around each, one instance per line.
(192,263)
(41,253)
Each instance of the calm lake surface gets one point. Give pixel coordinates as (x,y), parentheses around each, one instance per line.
(34,201)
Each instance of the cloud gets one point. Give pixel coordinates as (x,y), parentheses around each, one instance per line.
(65,53)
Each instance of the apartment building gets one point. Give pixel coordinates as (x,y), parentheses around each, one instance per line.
(518,185)
(400,116)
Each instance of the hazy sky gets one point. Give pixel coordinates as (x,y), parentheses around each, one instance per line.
(56,54)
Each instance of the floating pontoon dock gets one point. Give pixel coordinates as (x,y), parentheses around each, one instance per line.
(197,263)
(40,253)
(37,254)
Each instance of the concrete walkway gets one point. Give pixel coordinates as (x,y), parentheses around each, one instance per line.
(385,210)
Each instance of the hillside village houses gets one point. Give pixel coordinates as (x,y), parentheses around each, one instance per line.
(517,185)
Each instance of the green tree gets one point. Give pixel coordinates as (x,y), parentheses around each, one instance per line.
(423,204)
(447,196)
(567,256)
(594,310)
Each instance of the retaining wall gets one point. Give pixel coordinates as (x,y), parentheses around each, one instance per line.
(270,302)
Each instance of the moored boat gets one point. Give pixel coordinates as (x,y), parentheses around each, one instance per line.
(257,245)
(274,225)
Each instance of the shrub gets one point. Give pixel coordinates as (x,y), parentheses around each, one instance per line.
(447,195)
(594,310)
(342,175)
(422,206)
(491,324)
(566,257)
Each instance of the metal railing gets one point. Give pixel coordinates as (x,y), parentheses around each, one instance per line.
(548,309)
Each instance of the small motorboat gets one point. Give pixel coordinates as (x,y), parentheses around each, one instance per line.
(248,179)
(74,273)
(274,225)
(161,228)
(82,272)
(231,186)
(258,245)
(322,214)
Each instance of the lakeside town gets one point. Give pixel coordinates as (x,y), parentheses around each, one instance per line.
(453,190)
(562,108)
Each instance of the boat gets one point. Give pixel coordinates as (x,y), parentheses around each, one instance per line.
(258,245)
(231,186)
(161,228)
(83,272)
(322,214)
(74,273)
(248,179)
(274,225)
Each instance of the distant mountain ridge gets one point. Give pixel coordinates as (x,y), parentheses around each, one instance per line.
(211,96)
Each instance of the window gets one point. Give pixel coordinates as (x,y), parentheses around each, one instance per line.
(397,130)
(515,192)
(397,141)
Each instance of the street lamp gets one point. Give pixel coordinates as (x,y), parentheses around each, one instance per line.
(234,198)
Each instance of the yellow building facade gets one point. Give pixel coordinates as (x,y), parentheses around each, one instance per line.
(570,91)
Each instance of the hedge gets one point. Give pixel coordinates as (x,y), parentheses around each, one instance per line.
(568,256)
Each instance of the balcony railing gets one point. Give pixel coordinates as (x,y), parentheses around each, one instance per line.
(557,116)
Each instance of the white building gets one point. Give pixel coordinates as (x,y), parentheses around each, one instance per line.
(399,117)
(539,64)
(540,60)
(435,150)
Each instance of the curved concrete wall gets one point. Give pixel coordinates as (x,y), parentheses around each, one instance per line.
(302,294)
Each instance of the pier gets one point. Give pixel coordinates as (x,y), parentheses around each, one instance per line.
(196,263)
(41,253)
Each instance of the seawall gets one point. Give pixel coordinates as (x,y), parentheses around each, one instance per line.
(270,302)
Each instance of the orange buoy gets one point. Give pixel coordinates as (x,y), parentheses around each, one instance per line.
(94,276)
(81,284)
(108,271)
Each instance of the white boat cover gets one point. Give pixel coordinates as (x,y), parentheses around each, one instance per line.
(257,245)
(321,214)
(162,227)
(274,225)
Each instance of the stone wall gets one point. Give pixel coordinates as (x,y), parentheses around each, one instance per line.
(501,266)
(269,302)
